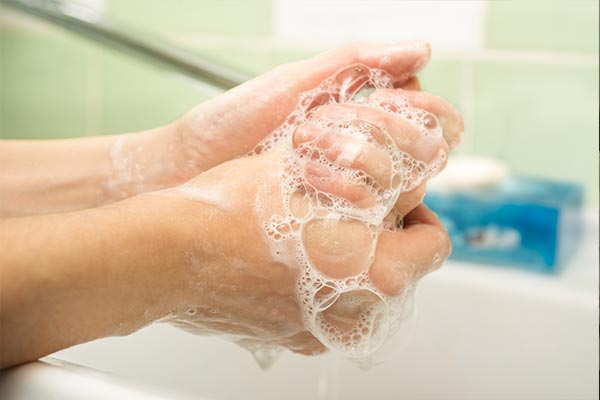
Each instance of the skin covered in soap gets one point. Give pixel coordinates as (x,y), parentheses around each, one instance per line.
(183,254)
(315,245)
(236,288)
(74,174)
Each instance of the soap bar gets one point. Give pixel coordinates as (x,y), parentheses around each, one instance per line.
(527,222)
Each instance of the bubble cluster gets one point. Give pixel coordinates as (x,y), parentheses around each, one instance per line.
(340,305)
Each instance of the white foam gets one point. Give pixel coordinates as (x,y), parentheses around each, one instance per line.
(339,303)
(349,314)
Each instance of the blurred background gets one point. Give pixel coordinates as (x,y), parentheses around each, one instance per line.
(524,73)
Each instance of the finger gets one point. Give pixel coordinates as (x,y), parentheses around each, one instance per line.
(401,60)
(451,121)
(412,84)
(406,255)
(423,155)
(325,179)
(304,343)
(348,66)
(430,149)
(269,98)
(409,200)
(347,149)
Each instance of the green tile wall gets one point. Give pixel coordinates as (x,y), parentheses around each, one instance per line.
(541,119)
(2,84)
(539,115)
(134,96)
(443,77)
(282,55)
(229,17)
(54,85)
(250,61)
(43,86)
(556,25)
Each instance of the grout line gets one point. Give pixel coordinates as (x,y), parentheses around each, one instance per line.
(486,55)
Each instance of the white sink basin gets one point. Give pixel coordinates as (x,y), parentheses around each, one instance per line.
(483,333)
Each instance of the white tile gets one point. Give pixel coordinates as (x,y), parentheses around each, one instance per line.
(449,25)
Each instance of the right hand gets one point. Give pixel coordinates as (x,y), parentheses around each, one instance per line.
(238,283)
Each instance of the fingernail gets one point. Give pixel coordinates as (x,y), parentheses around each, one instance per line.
(317,170)
(303,134)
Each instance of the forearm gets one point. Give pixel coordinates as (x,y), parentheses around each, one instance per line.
(48,176)
(52,175)
(74,277)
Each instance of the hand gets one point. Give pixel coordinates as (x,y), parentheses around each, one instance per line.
(231,124)
(246,271)
(295,247)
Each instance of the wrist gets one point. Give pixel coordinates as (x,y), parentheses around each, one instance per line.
(142,162)
(160,240)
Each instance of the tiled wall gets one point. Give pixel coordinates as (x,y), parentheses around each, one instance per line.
(57,85)
(529,94)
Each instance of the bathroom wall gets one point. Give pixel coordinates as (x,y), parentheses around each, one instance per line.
(524,73)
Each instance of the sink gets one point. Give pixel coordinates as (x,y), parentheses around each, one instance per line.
(482,332)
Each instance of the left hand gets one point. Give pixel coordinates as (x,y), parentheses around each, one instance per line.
(231,124)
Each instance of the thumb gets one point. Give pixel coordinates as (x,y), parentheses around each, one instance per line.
(249,112)
(400,60)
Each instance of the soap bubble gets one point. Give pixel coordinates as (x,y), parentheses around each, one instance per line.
(340,305)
